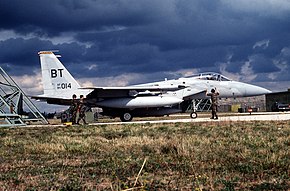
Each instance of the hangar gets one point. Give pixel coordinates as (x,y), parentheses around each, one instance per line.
(280,97)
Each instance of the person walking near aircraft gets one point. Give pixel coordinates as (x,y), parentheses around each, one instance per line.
(73,109)
(81,110)
(214,102)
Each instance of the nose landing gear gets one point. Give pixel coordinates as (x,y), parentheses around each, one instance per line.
(193,115)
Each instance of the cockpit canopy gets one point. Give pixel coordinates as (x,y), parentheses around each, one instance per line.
(210,76)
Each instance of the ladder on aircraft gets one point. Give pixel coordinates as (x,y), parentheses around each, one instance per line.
(13,101)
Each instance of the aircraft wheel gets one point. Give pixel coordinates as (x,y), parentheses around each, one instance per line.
(193,115)
(126,117)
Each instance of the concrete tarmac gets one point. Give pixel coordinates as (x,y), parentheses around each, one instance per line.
(185,118)
(257,116)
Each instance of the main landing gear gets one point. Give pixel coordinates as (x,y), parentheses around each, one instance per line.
(125,117)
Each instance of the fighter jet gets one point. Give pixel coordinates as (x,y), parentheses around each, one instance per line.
(150,99)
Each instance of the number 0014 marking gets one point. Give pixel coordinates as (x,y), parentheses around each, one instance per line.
(64,86)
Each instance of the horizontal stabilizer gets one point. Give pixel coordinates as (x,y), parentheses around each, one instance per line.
(52,100)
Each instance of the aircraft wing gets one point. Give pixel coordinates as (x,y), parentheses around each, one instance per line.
(139,88)
(129,91)
(108,92)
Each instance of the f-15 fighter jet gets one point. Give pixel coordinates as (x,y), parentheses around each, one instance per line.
(151,99)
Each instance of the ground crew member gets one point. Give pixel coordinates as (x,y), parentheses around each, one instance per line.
(81,110)
(73,109)
(214,103)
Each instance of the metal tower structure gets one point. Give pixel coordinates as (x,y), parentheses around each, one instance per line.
(13,102)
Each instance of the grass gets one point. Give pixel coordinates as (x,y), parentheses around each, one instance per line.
(180,156)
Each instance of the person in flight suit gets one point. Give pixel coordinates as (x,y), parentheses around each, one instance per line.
(81,110)
(214,103)
(73,109)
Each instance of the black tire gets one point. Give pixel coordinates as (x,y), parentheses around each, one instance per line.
(193,115)
(125,117)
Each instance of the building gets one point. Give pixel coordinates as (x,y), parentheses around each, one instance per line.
(280,97)
(257,103)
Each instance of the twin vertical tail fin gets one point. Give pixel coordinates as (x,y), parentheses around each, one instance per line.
(56,79)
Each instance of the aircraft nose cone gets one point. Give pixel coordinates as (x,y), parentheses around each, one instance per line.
(266,91)
(252,90)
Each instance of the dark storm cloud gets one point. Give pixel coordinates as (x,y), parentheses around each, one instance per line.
(19,56)
(110,38)
(145,58)
(261,64)
(55,16)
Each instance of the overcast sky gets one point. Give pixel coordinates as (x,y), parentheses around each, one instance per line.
(121,42)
